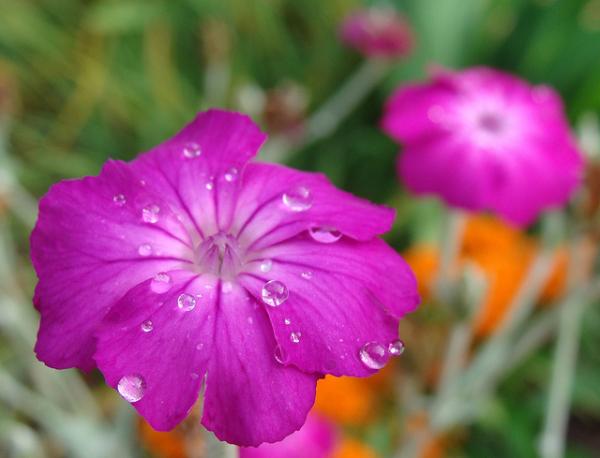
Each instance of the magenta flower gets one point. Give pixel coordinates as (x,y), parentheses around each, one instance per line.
(484,140)
(188,264)
(377,32)
(316,439)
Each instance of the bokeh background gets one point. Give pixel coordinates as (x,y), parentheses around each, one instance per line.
(85,80)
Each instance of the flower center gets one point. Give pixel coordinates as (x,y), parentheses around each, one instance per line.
(219,254)
(490,123)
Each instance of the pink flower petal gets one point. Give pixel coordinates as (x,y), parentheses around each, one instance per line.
(164,339)
(342,296)
(250,398)
(316,439)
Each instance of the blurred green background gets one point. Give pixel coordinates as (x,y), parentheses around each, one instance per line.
(85,80)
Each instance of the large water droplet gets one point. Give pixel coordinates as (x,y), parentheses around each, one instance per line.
(132,387)
(266,265)
(396,348)
(161,283)
(150,214)
(147,326)
(145,249)
(119,200)
(186,302)
(298,199)
(325,234)
(373,355)
(274,293)
(295,337)
(191,150)
(231,174)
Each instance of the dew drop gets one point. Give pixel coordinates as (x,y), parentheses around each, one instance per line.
(298,199)
(396,348)
(274,293)
(200,346)
(226,287)
(119,200)
(307,275)
(191,150)
(287,321)
(186,302)
(209,185)
(295,337)
(132,387)
(231,174)
(325,234)
(373,355)
(150,214)
(145,249)
(147,326)
(266,265)
(194,376)
(161,283)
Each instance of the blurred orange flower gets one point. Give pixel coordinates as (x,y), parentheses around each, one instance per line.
(352,401)
(162,444)
(351,448)
(504,254)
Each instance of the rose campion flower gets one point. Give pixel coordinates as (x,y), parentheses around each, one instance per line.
(482,139)
(377,32)
(191,267)
(316,439)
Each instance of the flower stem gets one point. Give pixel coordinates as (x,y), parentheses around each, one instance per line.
(449,243)
(553,437)
(325,120)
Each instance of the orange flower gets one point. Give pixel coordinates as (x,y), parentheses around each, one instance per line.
(351,448)
(352,401)
(161,444)
(504,254)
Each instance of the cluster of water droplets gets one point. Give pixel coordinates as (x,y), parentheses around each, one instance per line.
(375,355)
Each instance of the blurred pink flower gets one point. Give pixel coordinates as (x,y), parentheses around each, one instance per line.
(316,439)
(191,264)
(378,32)
(482,139)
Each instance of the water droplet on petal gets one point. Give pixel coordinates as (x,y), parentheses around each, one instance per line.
(194,376)
(295,337)
(306,275)
(396,348)
(287,321)
(373,355)
(119,200)
(191,150)
(274,293)
(298,199)
(186,302)
(209,185)
(145,249)
(132,387)
(147,326)
(227,287)
(200,346)
(231,174)
(266,265)
(161,283)
(150,214)
(325,234)
(250,320)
